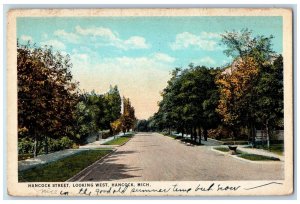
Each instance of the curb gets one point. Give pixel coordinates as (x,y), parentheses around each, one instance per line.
(245,160)
(127,141)
(99,147)
(86,170)
(80,175)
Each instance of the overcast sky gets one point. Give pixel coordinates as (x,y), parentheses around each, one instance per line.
(138,53)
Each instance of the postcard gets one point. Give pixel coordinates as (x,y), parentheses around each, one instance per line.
(150,102)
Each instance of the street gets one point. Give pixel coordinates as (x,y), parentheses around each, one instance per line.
(154,157)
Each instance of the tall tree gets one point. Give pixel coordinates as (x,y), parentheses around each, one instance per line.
(46,94)
(128,117)
(236,91)
(251,55)
(269,97)
(112,109)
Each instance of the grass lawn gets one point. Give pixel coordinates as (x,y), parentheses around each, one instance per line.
(275,148)
(222,149)
(62,169)
(119,141)
(172,136)
(255,157)
(226,149)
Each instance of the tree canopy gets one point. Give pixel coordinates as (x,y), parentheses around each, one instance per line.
(247,94)
(52,107)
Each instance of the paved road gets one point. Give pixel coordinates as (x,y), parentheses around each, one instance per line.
(154,157)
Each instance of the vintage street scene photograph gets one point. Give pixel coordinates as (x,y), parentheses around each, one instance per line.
(150,98)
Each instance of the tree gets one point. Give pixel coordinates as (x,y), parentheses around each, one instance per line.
(242,44)
(116,126)
(236,93)
(112,109)
(89,115)
(251,54)
(269,97)
(210,117)
(46,94)
(128,118)
(189,102)
(142,126)
(96,112)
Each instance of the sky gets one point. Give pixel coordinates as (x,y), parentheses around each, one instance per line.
(138,53)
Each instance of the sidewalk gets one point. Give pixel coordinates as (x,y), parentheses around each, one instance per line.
(46,158)
(213,142)
(209,142)
(51,157)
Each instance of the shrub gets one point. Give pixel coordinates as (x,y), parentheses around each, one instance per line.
(65,143)
(59,144)
(25,145)
(75,146)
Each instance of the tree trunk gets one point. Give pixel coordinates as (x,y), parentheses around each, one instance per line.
(192,134)
(195,134)
(267,133)
(200,135)
(253,134)
(46,144)
(205,134)
(35,145)
(233,135)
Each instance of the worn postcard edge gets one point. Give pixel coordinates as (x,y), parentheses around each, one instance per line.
(281,187)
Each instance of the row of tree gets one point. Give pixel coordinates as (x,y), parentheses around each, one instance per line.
(247,94)
(51,106)
(189,102)
(95,112)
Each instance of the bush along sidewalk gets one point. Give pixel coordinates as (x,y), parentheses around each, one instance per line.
(26,147)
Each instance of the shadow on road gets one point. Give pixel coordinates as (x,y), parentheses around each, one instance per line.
(109,170)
